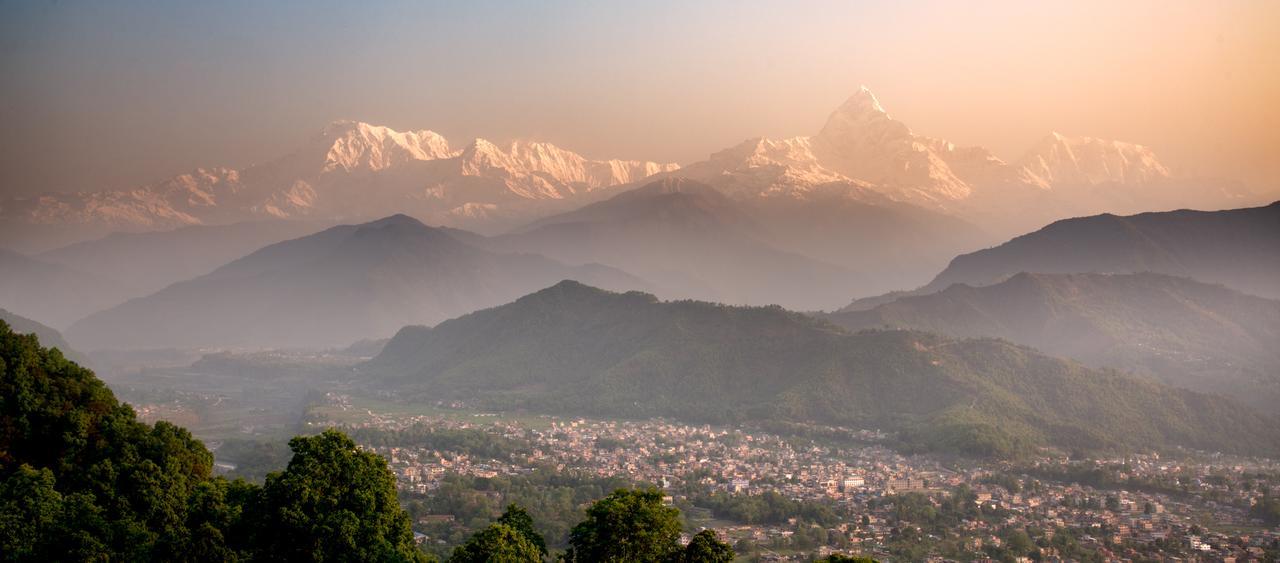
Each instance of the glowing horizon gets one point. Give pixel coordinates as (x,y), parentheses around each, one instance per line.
(112,96)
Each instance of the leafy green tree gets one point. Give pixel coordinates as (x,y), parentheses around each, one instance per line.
(706,548)
(30,508)
(1266,509)
(628,525)
(1019,543)
(837,558)
(1113,503)
(123,485)
(334,502)
(499,543)
(220,521)
(519,520)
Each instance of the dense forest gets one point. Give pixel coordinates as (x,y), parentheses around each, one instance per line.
(576,349)
(82,479)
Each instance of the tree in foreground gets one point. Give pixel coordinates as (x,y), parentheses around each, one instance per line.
(635,526)
(519,520)
(334,502)
(80,477)
(628,525)
(837,558)
(510,539)
(706,548)
(499,543)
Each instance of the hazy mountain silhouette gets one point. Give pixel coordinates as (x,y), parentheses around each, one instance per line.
(690,240)
(147,262)
(52,293)
(1239,248)
(49,337)
(330,289)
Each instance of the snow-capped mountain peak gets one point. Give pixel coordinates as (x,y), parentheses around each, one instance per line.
(861,141)
(1085,161)
(355,145)
(862,144)
(545,164)
(862,102)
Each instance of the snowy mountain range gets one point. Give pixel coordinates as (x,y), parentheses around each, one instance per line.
(354,171)
(862,144)
(350,170)
(861,151)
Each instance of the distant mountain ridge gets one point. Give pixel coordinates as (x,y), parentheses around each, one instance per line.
(51,293)
(1182,332)
(353,171)
(1085,161)
(576,349)
(49,337)
(147,262)
(687,238)
(695,241)
(331,288)
(349,170)
(1239,248)
(862,143)
(861,149)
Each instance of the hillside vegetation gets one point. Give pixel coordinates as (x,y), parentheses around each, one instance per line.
(573,348)
(1186,333)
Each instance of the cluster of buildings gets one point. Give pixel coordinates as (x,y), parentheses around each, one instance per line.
(1205,518)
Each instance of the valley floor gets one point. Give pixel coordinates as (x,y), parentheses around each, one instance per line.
(776,494)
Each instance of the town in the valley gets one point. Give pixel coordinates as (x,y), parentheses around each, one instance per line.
(794,494)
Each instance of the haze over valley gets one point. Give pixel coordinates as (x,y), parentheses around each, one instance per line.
(517,284)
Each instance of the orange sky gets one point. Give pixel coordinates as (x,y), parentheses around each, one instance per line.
(118,94)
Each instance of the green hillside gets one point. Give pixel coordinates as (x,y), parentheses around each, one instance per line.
(577,349)
(1186,333)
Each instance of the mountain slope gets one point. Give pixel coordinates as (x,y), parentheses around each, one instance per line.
(576,349)
(147,262)
(328,289)
(861,141)
(803,207)
(1083,161)
(890,244)
(48,336)
(53,293)
(1185,333)
(1239,248)
(690,241)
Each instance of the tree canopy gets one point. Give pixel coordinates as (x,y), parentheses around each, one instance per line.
(628,525)
(334,501)
(82,479)
(519,520)
(705,547)
(499,543)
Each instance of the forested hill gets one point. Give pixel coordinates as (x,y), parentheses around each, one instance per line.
(1204,337)
(576,349)
(96,482)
